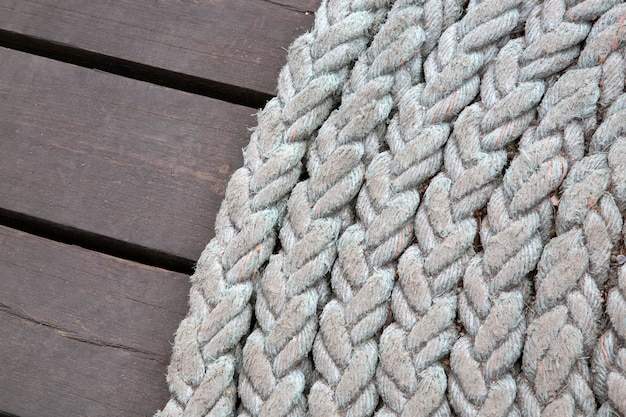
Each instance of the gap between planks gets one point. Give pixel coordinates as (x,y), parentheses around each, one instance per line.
(83,333)
(192,45)
(124,160)
(134,70)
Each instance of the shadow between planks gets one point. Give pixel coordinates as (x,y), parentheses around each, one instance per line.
(82,333)
(229,42)
(115,157)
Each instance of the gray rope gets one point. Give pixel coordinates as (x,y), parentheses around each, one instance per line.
(484,297)
(345,349)
(411,378)
(275,357)
(608,366)
(609,360)
(519,214)
(574,264)
(445,229)
(201,375)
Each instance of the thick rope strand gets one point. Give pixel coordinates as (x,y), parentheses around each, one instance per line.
(345,349)
(519,214)
(425,300)
(275,364)
(608,365)
(568,304)
(608,144)
(609,360)
(201,375)
(410,377)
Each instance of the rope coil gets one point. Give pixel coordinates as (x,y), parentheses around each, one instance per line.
(454,245)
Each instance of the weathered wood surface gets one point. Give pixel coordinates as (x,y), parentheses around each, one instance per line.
(117,157)
(237,42)
(81,333)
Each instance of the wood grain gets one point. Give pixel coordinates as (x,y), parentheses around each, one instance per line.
(81,333)
(237,42)
(116,157)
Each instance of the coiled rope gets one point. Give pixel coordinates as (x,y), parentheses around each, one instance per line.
(450,244)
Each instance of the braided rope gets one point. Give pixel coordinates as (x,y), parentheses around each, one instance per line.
(608,364)
(609,360)
(574,264)
(519,214)
(345,349)
(523,198)
(275,362)
(411,379)
(445,231)
(201,374)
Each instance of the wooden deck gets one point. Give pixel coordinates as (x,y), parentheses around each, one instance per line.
(120,123)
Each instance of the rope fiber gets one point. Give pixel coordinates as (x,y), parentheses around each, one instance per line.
(429,221)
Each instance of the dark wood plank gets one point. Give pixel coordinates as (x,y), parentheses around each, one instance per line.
(238,42)
(91,296)
(45,374)
(81,333)
(120,158)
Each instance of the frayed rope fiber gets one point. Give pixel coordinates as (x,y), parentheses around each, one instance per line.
(429,222)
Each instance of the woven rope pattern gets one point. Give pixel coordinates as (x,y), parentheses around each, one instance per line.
(424,299)
(575,264)
(201,375)
(429,222)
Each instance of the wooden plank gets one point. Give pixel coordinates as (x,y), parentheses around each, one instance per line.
(44,374)
(120,158)
(238,42)
(81,333)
